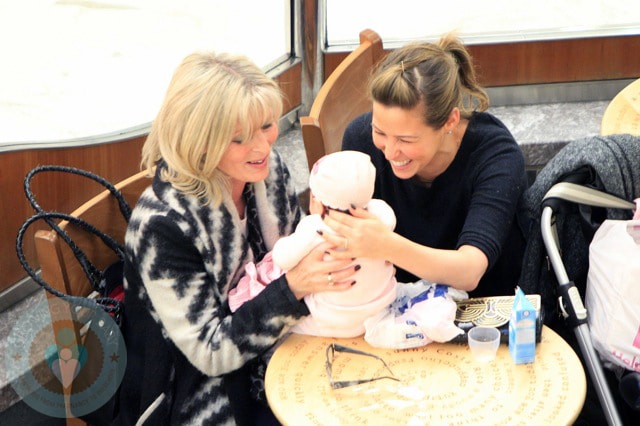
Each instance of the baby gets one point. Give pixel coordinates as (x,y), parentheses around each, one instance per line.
(336,181)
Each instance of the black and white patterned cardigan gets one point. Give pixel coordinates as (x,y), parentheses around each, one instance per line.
(182,259)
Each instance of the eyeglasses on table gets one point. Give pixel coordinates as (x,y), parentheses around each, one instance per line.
(338,384)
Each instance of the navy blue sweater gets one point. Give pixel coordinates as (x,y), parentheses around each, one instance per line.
(474,202)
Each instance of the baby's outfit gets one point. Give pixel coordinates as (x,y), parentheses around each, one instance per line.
(338,180)
(340,313)
(254,280)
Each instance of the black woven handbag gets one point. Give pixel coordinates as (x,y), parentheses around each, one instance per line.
(108,282)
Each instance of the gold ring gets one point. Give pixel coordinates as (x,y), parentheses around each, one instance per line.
(330,279)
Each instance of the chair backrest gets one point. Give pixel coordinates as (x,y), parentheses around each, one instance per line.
(59,267)
(342,97)
(622,115)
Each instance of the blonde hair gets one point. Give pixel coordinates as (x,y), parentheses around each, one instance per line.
(438,76)
(208,97)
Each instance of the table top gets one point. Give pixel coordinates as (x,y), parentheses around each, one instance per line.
(440,383)
(623,112)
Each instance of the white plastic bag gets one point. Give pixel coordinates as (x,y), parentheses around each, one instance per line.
(613,293)
(422,313)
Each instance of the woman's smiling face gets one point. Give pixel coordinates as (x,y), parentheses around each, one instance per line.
(407,142)
(248,161)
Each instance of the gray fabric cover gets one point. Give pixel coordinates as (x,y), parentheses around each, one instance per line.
(612,164)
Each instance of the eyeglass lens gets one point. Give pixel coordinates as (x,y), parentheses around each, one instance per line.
(330,357)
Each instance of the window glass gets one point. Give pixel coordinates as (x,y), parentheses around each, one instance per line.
(477,21)
(75,68)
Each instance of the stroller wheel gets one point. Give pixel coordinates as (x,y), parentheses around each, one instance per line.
(630,389)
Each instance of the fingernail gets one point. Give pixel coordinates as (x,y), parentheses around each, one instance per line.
(322,216)
(357,267)
(353,283)
(327,252)
(319,232)
(353,206)
(353,258)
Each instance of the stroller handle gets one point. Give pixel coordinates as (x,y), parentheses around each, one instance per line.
(584,195)
(570,301)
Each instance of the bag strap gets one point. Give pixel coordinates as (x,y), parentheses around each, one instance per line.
(108,304)
(125,209)
(94,274)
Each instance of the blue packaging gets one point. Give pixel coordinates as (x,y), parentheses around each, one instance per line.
(522,330)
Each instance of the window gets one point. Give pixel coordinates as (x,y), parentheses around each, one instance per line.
(77,68)
(477,21)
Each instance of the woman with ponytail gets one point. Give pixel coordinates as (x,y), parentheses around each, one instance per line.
(452,172)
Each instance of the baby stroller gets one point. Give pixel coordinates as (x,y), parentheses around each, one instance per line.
(587,182)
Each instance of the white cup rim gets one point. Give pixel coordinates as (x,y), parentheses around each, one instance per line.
(495,333)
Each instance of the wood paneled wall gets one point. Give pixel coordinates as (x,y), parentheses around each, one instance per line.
(289,82)
(553,61)
(54,191)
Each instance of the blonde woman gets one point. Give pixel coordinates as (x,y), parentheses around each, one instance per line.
(220,198)
(452,173)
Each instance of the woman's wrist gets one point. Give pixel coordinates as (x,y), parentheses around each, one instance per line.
(298,295)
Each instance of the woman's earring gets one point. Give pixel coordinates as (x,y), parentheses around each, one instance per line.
(449,132)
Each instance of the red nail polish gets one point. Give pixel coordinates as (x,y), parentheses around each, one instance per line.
(319,232)
(357,267)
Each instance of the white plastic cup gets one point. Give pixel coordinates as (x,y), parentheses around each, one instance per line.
(484,342)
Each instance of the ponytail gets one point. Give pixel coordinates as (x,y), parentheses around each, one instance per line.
(437,76)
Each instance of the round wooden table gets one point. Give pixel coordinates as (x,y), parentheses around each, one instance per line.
(439,384)
(623,112)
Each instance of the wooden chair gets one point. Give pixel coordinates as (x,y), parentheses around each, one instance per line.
(622,115)
(61,270)
(342,97)
(58,265)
